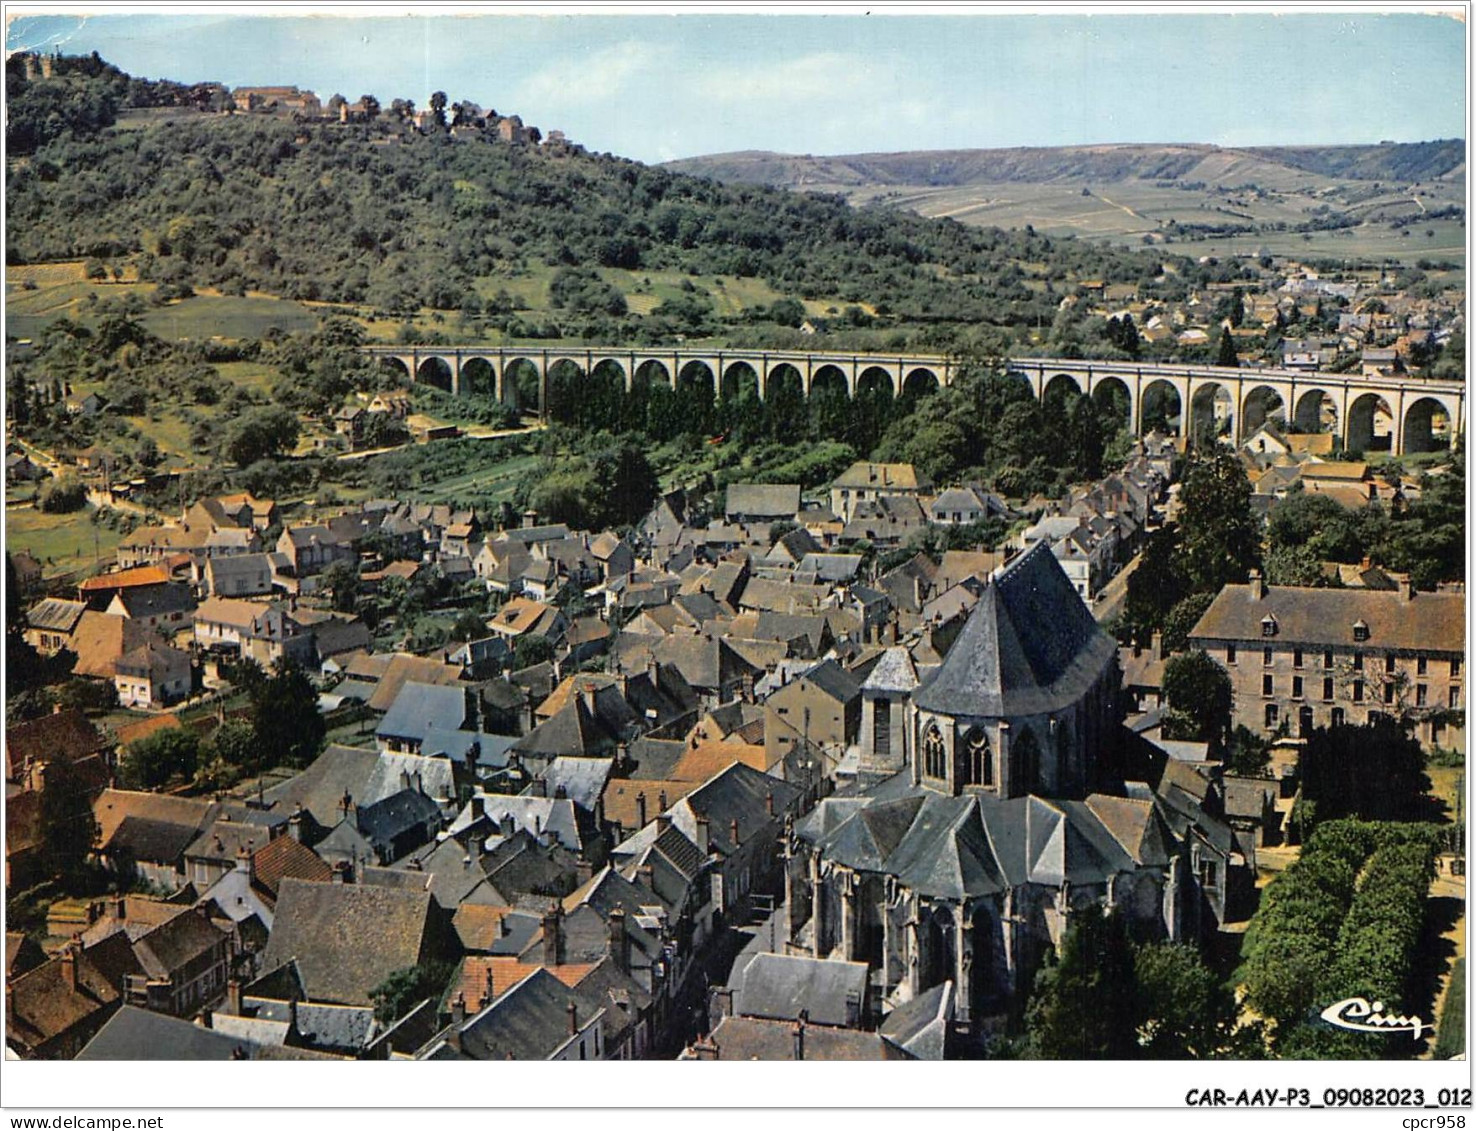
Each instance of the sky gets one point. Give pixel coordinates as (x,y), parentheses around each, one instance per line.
(655,87)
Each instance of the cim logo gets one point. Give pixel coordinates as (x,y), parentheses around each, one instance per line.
(1357,1014)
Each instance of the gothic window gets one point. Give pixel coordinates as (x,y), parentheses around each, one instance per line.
(881,729)
(934,764)
(1026,757)
(976,763)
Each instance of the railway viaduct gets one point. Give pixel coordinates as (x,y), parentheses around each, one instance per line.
(1406,414)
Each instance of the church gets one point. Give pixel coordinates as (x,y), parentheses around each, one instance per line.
(990,808)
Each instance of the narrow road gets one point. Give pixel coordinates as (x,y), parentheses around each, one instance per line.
(1109,602)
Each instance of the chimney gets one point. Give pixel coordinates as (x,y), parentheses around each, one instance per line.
(1257,585)
(530,519)
(585,871)
(588,695)
(1158,649)
(120,908)
(619,940)
(769,802)
(661,804)
(233,997)
(507,826)
(245,862)
(641,809)
(1406,590)
(704,836)
(573,1019)
(294,824)
(648,876)
(489,991)
(69,966)
(478,808)
(799,1037)
(206,1020)
(458,1009)
(553,935)
(622,757)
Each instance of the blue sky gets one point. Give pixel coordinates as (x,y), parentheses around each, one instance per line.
(659,86)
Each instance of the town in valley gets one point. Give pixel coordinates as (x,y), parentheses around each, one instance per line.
(469,598)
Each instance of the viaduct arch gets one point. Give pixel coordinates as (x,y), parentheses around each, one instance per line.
(1398,414)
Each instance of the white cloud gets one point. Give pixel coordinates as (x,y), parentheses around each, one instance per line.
(601,76)
(819,77)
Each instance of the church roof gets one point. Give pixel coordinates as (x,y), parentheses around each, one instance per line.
(958,847)
(893,672)
(1029,647)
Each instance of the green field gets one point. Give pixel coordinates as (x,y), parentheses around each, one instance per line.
(61,290)
(60,542)
(210,316)
(1128,211)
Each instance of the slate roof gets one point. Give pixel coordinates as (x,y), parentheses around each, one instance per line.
(894,672)
(176,943)
(581,779)
(529,1022)
(320,787)
(55,614)
(419,706)
(138,1034)
(41,1005)
(921,1025)
(1426,622)
(750,1038)
(955,847)
(764,501)
(395,815)
(347,938)
(1029,647)
(739,793)
(781,987)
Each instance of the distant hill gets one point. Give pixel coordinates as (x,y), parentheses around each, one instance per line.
(1408,162)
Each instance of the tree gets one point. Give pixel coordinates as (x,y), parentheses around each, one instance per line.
(1375,771)
(1184,1012)
(160,758)
(1219,538)
(1226,355)
(468,626)
(1200,700)
(63,496)
(264,434)
(1083,1007)
(67,829)
(531,650)
(341,582)
(404,989)
(234,743)
(438,107)
(284,714)
(630,485)
(371,106)
(1155,587)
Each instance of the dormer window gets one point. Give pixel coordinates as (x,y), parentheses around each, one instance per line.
(1360,631)
(1268,625)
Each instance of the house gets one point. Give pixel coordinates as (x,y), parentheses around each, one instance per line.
(166,607)
(523,617)
(183,964)
(238,575)
(761,502)
(866,482)
(265,633)
(343,940)
(311,549)
(420,707)
(50,624)
(810,721)
(739,816)
(749,1038)
(536,1019)
(1309,657)
(53,1010)
(152,675)
(959,506)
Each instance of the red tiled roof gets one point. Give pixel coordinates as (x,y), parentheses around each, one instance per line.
(286,857)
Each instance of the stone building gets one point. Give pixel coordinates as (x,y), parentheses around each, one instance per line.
(993,813)
(1304,658)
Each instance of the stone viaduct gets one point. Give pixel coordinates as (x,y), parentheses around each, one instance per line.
(1400,414)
